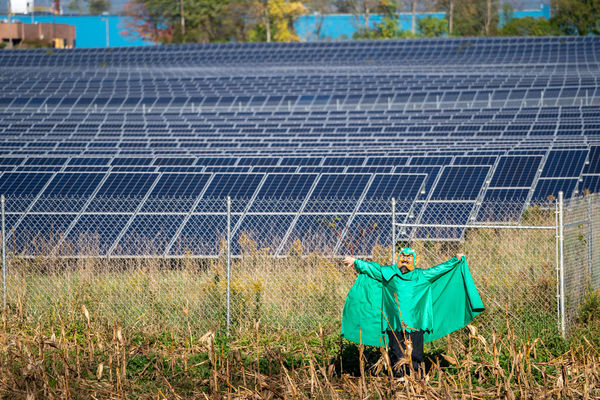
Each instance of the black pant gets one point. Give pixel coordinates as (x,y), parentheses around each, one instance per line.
(398,346)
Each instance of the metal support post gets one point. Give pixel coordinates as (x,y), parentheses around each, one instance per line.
(561,260)
(589,236)
(228,264)
(2,200)
(393,230)
(556,237)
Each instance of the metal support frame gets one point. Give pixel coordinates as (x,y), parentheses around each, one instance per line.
(228,265)
(589,235)
(556,237)
(482,226)
(561,261)
(2,201)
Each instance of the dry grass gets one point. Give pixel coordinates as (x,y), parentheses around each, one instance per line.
(84,359)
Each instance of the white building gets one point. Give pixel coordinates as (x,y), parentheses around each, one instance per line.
(21,6)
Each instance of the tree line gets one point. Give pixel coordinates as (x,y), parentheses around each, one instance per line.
(203,21)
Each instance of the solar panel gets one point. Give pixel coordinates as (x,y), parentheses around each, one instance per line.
(564,163)
(29,184)
(148,235)
(548,189)
(337,192)
(460,183)
(266,232)
(442,213)
(592,165)
(202,235)
(316,233)
(240,187)
(591,183)
(39,233)
(365,232)
(94,234)
(73,184)
(399,186)
(515,171)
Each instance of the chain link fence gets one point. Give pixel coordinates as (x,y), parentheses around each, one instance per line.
(177,265)
(581,254)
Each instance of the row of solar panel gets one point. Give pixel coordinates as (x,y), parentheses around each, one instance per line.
(244,149)
(535,42)
(512,178)
(182,88)
(316,151)
(577,52)
(252,81)
(295,131)
(551,97)
(201,234)
(192,114)
(383,123)
(208,118)
(559,163)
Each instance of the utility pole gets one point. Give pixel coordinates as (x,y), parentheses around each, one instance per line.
(450,17)
(105,19)
(10,38)
(267,20)
(413,10)
(488,19)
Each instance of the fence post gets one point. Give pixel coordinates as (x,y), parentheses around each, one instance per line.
(393,230)
(556,237)
(2,200)
(589,235)
(228,264)
(561,259)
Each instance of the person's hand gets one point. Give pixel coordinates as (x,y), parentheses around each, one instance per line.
(459,255)
(349,261)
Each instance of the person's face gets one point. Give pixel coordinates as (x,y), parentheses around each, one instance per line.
(406,262)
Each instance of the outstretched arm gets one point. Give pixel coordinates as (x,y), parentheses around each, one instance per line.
(431,274)
(370,268)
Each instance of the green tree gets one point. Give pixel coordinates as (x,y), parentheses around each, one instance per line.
(527,26)
(75,7)
(433,26)
(576,17)
(205,21)
(275,20)
(476,18)
(508,13)
(97,7)
(448,6)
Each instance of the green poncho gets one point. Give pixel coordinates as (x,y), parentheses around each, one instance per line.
(438,300)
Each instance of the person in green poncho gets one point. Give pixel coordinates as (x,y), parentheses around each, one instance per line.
(388,305)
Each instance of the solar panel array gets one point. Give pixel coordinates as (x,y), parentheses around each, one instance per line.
(449,127)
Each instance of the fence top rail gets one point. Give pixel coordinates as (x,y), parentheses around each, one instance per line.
(488,226)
